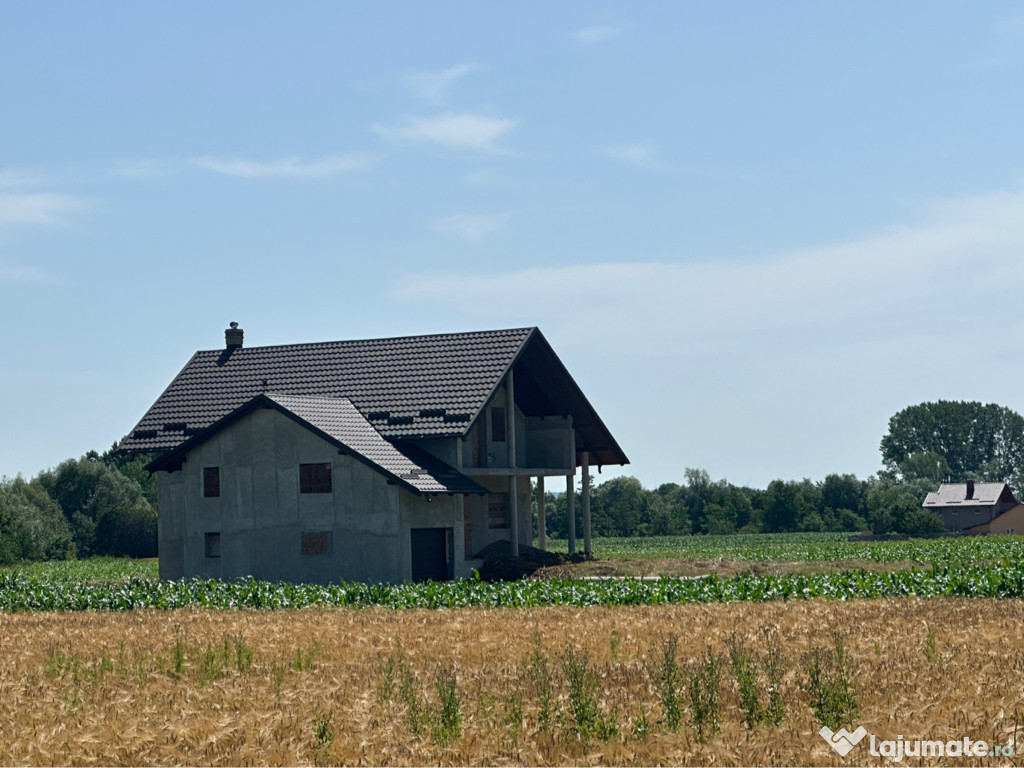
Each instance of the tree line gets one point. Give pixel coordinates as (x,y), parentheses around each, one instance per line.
(99,504)
(841,502)
(105,504)
(926,444)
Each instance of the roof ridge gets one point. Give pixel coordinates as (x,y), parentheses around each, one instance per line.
(523,329)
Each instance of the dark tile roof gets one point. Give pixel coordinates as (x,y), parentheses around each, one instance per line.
(413,386)
(338,420)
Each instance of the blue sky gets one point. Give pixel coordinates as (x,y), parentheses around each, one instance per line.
(753,231)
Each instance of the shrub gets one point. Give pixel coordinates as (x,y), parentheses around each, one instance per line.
(31,524)
(668,679)
(833,697)
(704,689)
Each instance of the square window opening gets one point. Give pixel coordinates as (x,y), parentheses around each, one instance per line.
(317,542)
(315,478)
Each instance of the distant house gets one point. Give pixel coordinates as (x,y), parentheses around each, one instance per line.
(382,460)
(970,505)
(1009,522)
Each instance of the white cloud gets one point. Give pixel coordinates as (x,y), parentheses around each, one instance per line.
(38,208)
(783,365)
(468,131)
(1011,25)
(959,258)
(433,86)
(468,227)
(16,274)
(14,178)
(596,34)
(140,168)
(288,167)
(635,154)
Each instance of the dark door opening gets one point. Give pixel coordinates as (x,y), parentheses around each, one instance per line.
(432,554)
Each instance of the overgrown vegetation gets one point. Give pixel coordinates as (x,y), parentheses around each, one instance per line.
(94,505)
(704,688)
(668,680)
(833,697)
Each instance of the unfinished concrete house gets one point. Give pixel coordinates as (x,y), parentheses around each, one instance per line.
(381,460)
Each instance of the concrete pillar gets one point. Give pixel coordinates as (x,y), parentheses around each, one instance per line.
(570,490)
(510,438)
(542,531)
(570,510)
(587,549)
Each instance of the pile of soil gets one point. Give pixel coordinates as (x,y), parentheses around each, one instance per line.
(499,565)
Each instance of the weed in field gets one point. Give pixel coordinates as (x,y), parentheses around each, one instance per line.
(773,667)
(322,731)
(409,690)
(57,663)
(641,725)
(304,662)
(211,665)
(178,657)
(668,679)
(704,689)
(448,726)
(539,677)
(388,669)
(277,671)
(243,655)
(613,644)
(833,696)
(582,680)
(930,649)
(106,663)
(514,717)
(744,669)
(755,674)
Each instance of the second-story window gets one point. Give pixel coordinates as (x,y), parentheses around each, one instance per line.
(314,478)
(211,482)
(498,425)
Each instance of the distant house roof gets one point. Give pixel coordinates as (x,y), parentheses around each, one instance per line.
(406,388)
(336,420)
(956,495)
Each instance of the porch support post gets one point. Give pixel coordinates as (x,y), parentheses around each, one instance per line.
(570,490)
(587,549)
(542,531)
(513,484)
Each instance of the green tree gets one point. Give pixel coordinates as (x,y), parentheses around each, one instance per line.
(844,492)
(781,507)
(699,493)
(32,526)
(975,441)
(676,515)
(895,507)
(108,512)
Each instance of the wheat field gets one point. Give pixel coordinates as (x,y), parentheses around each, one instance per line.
(493,687)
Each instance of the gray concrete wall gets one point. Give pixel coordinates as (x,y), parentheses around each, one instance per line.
(961,518)
(481,534)
(547,443)
(261,516)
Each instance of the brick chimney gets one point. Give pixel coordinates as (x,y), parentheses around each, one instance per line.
(233,336)
(970,487)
